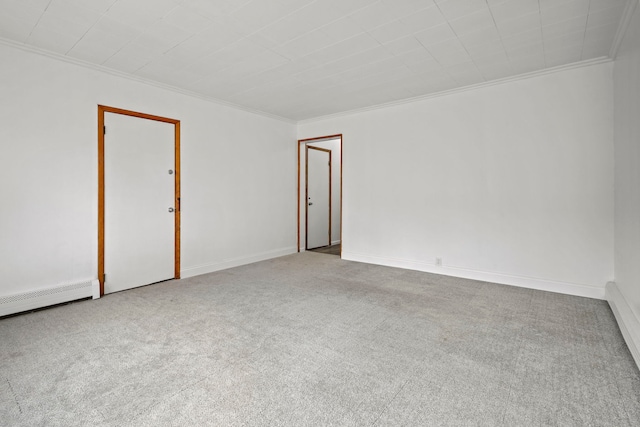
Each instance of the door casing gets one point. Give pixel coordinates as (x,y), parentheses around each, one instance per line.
(102,109)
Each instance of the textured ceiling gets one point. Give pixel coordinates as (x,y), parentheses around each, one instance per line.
(300,59)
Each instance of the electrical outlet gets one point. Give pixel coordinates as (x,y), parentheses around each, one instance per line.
(439,261)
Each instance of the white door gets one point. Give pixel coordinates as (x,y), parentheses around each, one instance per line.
(318,197)
(139,196)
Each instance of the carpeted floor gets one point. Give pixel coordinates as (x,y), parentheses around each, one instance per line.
(313,340)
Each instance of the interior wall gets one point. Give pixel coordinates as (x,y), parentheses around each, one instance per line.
(511,183)
(334,146)
(237,170)
(627,180)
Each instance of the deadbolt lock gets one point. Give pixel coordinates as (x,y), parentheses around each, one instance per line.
(170,172)
(171,209)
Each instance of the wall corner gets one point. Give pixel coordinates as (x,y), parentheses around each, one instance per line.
(627,321)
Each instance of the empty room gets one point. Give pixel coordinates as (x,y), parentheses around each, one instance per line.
(320,212)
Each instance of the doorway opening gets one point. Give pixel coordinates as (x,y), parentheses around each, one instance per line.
(320,194)
(128,167)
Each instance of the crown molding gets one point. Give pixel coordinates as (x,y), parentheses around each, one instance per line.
(116,73)
(627,14)
(525,76)
(22,46)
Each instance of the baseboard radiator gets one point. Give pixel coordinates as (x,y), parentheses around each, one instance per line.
(17,303)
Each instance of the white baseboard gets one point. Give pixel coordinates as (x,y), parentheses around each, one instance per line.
(335,242)
(485,276)
(17,303)
(627,321)
(235,262)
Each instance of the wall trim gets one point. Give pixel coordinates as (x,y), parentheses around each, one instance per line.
(627,14)
(525,76)
(628,323)
(576,289)
(335,242)
(111,71)
(236,262)
(620,33)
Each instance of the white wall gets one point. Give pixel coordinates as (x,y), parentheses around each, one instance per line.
(334,146)
(626,299)
(238,169)
(510,183)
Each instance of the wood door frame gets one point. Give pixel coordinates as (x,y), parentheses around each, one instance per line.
(305,142)
(306,193)
(102,109)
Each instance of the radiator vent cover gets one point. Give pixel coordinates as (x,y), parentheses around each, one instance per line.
(16,303)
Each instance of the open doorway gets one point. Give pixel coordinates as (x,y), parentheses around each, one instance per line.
(320,194)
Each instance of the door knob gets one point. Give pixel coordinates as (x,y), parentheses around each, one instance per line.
(171,209)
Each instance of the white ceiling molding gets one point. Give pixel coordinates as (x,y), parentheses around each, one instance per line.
(116,73)
(629,10)
(301,59)
(575,65)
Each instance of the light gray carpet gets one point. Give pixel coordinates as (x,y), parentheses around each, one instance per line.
(313,340)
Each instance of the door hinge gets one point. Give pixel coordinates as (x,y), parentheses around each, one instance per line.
(104,130)
(104,278)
